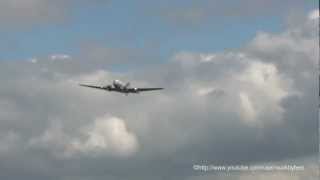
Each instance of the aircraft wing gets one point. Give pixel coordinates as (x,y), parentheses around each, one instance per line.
(148,89)
(91,86)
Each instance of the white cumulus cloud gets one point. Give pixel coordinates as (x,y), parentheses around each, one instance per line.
(107,135)
(56,57)
(314,14)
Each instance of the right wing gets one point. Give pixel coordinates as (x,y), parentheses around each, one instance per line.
(148,89)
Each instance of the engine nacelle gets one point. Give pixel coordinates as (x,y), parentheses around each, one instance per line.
(117,83)
(108,87)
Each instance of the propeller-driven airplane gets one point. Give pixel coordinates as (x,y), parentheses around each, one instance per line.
(120,87)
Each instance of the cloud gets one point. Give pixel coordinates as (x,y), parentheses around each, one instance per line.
(249,112)
(309,166)
(205,91)
(107,134)
(253,105)
(8,142)
(56,57)
(314,14)
(33,60)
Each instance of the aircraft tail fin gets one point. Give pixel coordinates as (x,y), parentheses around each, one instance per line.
(127,85)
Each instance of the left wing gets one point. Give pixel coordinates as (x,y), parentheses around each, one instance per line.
(90,86)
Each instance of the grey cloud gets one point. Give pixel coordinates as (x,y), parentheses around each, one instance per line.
(309,164)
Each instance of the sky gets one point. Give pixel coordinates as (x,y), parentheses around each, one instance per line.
(239,78)
(161,27)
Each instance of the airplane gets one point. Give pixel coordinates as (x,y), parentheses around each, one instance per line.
(120,87)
